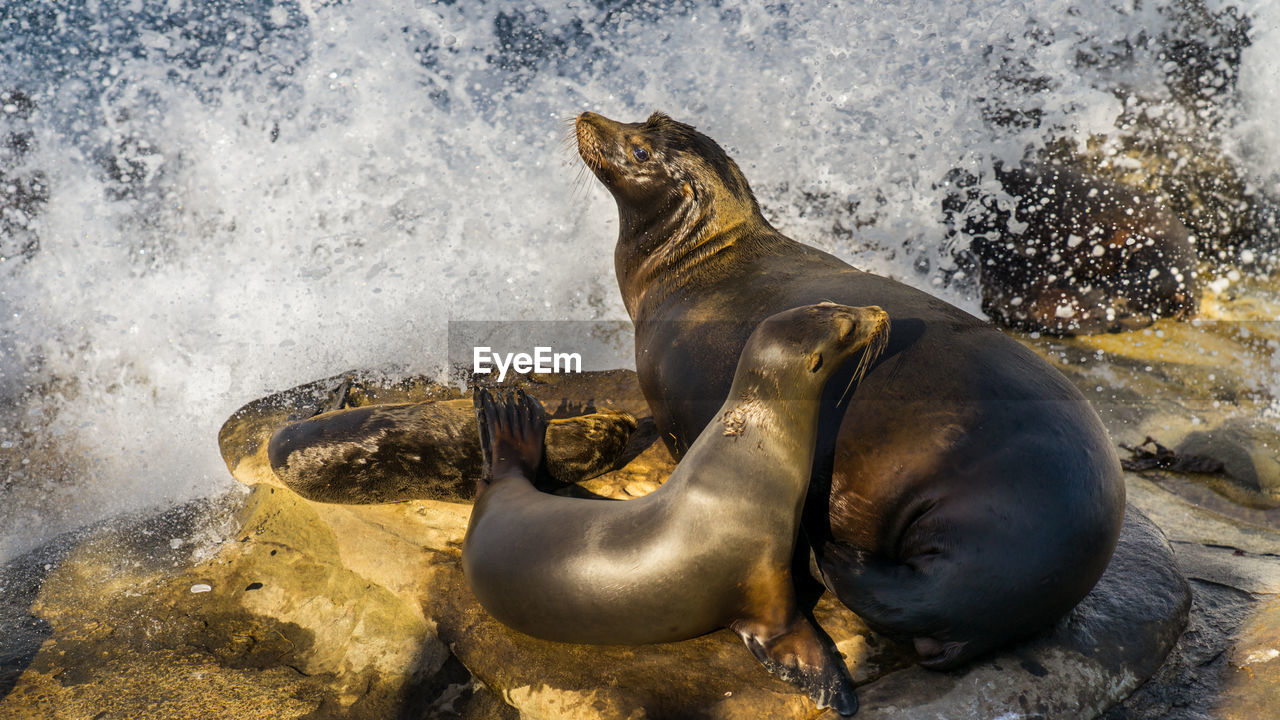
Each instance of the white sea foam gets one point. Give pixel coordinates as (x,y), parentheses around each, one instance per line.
(322,187)
(1260,93)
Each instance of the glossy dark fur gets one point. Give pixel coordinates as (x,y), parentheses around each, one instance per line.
(711,548)
(1084,256)
(967,496)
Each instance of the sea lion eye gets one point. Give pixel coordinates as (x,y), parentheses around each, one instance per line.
(640,153)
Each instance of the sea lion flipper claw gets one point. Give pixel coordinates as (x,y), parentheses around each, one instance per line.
(798,656)
(512,433)
(481,400)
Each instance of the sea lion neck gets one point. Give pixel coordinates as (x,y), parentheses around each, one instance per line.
(662,249)
(684,206)
(674,243)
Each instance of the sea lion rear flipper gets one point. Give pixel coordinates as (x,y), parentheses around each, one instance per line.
(512,434)
(796,654)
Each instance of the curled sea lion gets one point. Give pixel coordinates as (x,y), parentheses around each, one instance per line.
(967,496)
(712,547)
(1076,254)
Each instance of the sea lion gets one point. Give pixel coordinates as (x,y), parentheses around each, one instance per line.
(1076,254)
(711,548)
(322,441)
(967,496)
(427,450)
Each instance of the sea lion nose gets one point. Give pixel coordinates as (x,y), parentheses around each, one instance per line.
(597,122)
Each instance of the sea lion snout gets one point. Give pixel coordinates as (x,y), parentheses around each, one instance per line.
(588,131)
(868,321)
(856,325)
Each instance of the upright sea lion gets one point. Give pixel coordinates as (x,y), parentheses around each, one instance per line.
(711,548)
(1076,254)
(965,497)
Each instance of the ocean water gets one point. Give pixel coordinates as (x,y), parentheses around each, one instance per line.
(207,202)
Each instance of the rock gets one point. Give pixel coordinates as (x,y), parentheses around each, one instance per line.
(367,592)
(127,638)
(359,606)
(1247,449)
(1193,386)
(1251,687)
(1175,142)
(1173,380)
(1234,572)
(1073,254)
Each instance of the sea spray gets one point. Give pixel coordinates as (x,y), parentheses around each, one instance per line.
(243,196)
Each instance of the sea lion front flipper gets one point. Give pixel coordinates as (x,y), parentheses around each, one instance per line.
(788,645)
(795,653)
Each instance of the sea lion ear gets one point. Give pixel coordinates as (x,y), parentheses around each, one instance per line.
(815,361)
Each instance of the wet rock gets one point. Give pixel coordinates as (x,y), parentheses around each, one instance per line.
(1251,686)
(1174,142)
(1248,450)
(1174,380)
(1074,253)
(361,607)
(1166,154)
(126,637)
(1234,572)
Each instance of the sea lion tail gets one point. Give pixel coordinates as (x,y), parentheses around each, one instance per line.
(512,430)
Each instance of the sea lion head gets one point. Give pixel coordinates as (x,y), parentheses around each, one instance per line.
(811,343)
(656,163)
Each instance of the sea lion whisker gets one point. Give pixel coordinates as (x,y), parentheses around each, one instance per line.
(581,183)
(875,347)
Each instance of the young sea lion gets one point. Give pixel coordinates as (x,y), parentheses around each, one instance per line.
(1076,254)
(712,547)
(967,496)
